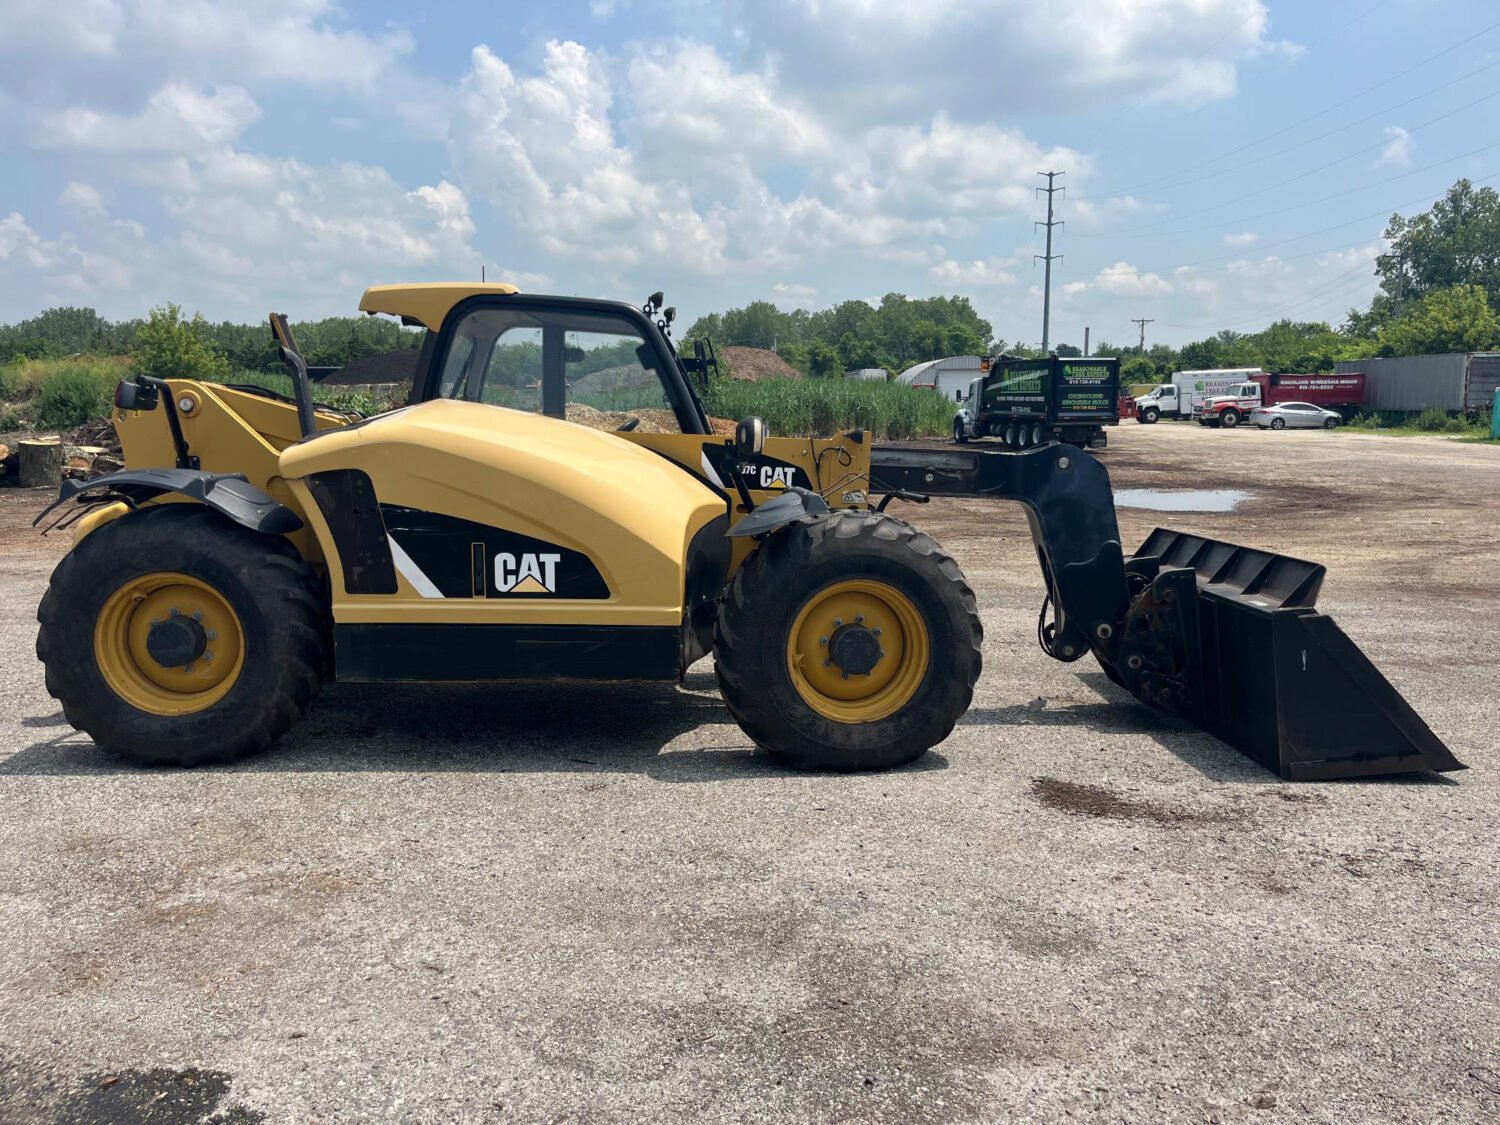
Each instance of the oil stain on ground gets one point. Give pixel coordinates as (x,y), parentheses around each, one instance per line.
(1097,801)
(155,1097)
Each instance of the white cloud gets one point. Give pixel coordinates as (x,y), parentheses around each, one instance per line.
(984,271)
(81,198)
(1244,238)
(685,94)
(1124,278)
(870,58)
(791,295)
(174,119)
(1397,151)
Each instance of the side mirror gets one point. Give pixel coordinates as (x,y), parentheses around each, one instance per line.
(749,437)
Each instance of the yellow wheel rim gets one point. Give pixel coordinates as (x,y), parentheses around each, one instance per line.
(121,650)
(815,650)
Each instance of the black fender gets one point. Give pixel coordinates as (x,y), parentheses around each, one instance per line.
(228,493)
(787,508)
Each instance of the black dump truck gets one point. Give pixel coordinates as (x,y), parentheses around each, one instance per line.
(1026,402)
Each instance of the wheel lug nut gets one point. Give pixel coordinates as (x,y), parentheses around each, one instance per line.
(877,632)
(208,657)
(211,634)
(846,675)
(826,663)
(197,615)
(822,640)
(837,621)
(173,612)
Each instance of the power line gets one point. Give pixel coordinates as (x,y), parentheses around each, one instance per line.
(1130,232)
(1240,88)
(1312,117)
(1176,74)
(1334,282)
(1314,171)
(1290,148)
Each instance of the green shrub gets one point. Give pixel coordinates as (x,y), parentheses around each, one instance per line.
(1436,421)
(10,419)
(73,396)
(170,347)
(1363,421)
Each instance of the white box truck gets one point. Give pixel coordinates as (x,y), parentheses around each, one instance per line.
(1176,397)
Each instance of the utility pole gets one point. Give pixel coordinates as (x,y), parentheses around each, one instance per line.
(1047,258)
(1142,321)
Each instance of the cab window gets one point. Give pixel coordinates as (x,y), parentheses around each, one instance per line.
(591,368)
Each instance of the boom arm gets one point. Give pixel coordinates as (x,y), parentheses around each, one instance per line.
(1226,636)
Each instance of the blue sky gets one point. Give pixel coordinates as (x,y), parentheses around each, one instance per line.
(1228,162)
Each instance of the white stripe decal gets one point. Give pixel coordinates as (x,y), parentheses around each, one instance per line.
(411,571)
(709,469)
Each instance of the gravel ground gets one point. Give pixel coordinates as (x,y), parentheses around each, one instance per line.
(593,904)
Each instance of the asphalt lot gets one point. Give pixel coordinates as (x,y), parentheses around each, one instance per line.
(592,904)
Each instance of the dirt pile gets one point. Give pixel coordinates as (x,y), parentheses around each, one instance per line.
(755,364)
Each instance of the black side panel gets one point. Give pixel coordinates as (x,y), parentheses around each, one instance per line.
(507,652)
(347,500)
(707,571)
(518,566)
(761,472)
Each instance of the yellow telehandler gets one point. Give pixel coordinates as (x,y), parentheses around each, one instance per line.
(258,544)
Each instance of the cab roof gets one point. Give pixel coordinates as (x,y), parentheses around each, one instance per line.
(428,303)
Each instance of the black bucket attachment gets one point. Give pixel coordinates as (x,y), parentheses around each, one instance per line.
(1228,637)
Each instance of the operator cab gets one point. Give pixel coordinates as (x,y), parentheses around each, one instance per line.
(605,364)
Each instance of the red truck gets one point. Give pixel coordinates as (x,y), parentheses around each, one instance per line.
(1344,393)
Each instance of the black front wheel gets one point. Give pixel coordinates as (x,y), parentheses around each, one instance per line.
(848,641)
(172,636)
(959,434)
(1148,417)
(1229,419)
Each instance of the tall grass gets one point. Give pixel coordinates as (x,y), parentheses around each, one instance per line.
(820,407)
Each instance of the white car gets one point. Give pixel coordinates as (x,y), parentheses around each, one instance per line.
(1291,415)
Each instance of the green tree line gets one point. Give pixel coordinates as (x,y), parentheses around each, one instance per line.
(332,342)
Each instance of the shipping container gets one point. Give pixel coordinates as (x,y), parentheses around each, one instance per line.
(1455,381)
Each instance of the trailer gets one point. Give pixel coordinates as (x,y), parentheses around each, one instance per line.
(1185,389)
(1343,394)
(1027,402)
(1455,382)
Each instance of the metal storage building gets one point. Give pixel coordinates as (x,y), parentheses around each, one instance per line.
(1454,381)
(948,375)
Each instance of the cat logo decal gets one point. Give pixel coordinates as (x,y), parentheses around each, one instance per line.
(526,573)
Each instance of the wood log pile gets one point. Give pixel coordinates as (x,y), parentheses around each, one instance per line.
(43,460)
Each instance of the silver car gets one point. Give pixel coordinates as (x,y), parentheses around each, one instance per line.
(1290,415)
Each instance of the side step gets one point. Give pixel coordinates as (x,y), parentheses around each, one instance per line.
(1254,663)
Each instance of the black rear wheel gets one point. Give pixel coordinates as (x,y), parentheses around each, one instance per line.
(848,642)
(172,636)
(1278,423)
(1330,423)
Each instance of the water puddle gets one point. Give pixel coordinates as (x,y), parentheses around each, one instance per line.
(1187,500)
